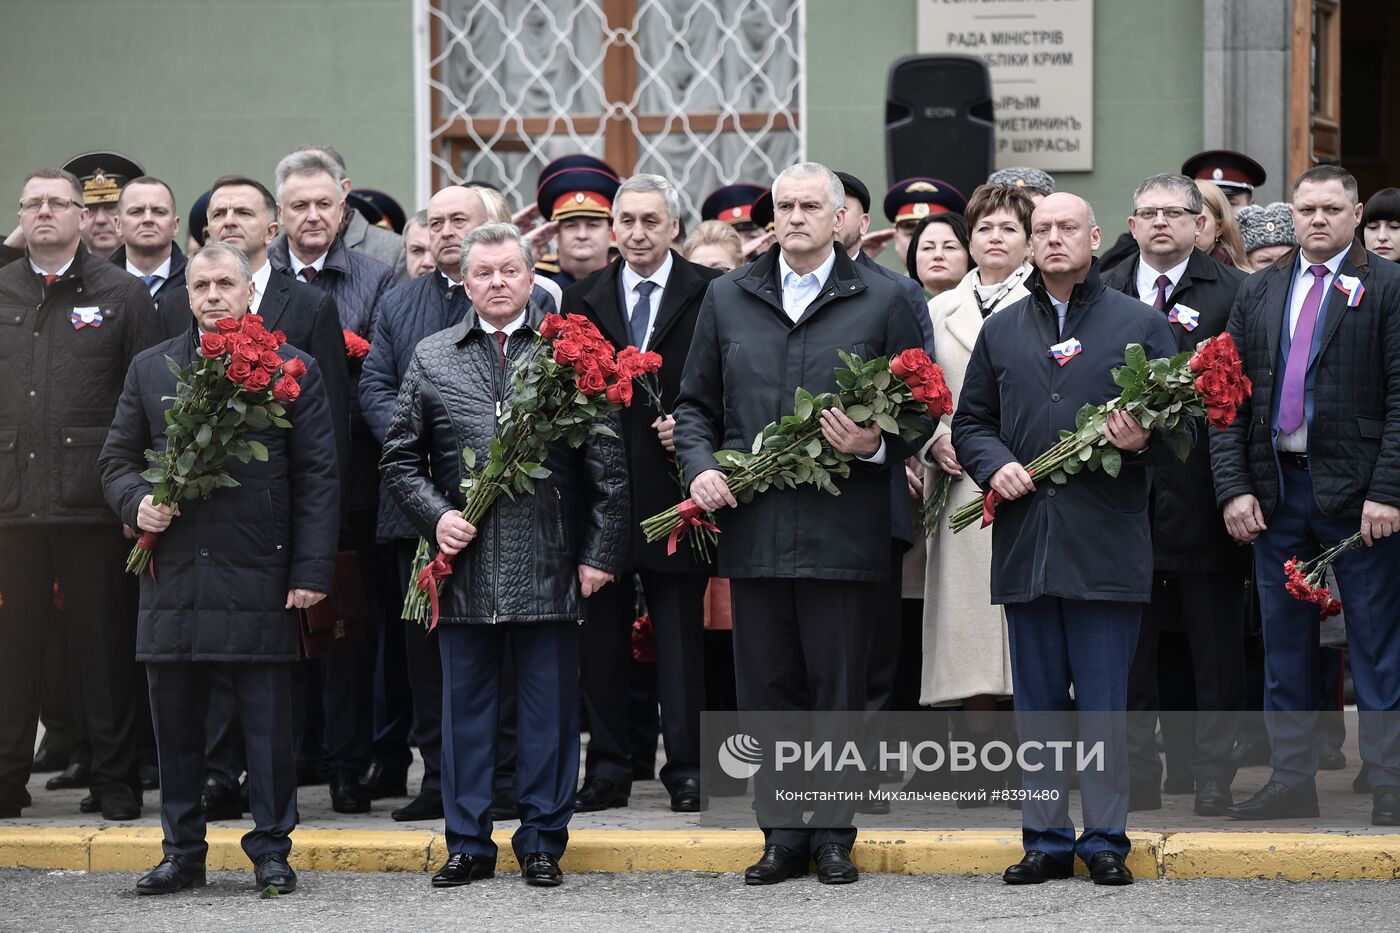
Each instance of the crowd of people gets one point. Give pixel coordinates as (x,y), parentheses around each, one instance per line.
(205,679)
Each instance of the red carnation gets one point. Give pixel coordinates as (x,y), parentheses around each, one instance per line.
(294,368)
(286,389)
(356,347)
(620,392)
(212,345)
(257,380)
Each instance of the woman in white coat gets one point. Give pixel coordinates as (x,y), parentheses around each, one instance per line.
(966,659)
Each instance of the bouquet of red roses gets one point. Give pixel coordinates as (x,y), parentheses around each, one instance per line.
(893,393)
(1163,392)
(1305,577)
(238,384)
(559,394)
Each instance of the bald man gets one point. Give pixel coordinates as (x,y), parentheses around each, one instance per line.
(1071,563)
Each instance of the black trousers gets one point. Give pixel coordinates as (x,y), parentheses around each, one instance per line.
(263,695)
(802,645)
(87,561)
(605,671)
(1210,608)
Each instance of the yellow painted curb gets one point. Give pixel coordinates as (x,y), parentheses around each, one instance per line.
(1286,856)
(139,849)
(974,852)
(49,847)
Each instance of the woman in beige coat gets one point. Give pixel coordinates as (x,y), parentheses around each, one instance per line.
(966,659)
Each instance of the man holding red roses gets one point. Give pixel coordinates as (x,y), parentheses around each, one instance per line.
(228,574)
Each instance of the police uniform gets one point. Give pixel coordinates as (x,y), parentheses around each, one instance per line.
(761,212)
(913,199)
(378,208)
(1232,172)
(103,174)
(570,193)
(733,204)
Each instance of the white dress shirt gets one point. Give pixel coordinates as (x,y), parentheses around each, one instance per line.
(799,291)
(1147,280)
(318,263)
(63,269)
(260,279)
(1297,442)
(162,270)
(630,281)
(508,329)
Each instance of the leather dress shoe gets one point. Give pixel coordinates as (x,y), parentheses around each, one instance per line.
(461,868)
(1108,868)
(1385,806)
(504,806)
(1331,759)
(348,795)
(778,864)
(118,803)
(1276,801)
(542,870)
(381,783)
(150,777)
(834,865)
(75,775)
(50,758)
(272,869)
(1213,797)
(1037,868)
(426,806)
(600,794)
(220,802)
(90,804)
(685,796)
(171,875)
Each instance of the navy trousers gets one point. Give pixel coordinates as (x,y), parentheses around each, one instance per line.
(1055,644)
(546,772)
(1369,581)
(179,693)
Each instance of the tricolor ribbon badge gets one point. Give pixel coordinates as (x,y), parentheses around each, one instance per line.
(1350,286)
(1188,318)
(1066,350)
(86,317)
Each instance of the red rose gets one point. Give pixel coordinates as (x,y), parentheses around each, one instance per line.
(239,370)
(620,392)
(591,383)
(257,380)
(567,350)
(294,368)
(248,350)
(286,389)
(226,325)
(212,345)
(280,337)
(910,361)
(269,360)
(252,321)
(553,325)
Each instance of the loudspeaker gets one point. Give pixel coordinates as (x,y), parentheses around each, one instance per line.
(938,120)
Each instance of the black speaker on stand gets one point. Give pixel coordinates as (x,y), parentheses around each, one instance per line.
(938,120)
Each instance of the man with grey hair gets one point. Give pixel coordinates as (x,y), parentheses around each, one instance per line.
(521,584)
(1198,583)
(417,255)
(804,565)
(361,235)
(311,197)
(649,297)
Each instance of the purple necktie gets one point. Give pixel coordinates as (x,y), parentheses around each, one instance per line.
(1163,283)
(1290,405)
(307,273)
(501,338)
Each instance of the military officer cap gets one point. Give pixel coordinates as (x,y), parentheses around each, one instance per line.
(855,188)
(1229,170)
(916,198)
(761,213)
(1032,179)
(577,192)
(576,160)
(378,208)
(732,204)
(103,175)
(1269,225)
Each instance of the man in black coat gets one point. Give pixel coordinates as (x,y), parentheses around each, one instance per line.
(1199,573)
(804,565)
(231,569)
(1071,563)
(1313,457)
(649,298)
(148,224)
(521,586)
(69,325)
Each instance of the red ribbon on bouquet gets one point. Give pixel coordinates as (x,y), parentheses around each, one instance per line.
(690,518)
(991,500)
(439,568)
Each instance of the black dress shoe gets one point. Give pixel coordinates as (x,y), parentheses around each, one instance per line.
(504,806)
(834,865)
(381,783)
(542,870)
(1037,868)
(1108,868)
(1332,759)
(220,802)
(50,758)
(778,864)
(1385,806)
(1213,797)
(118,803)
(599,794)
(685,796)
(461,868)
(90,804)
(171,875)
(272,869)
(150,777)
(426,806)
(348,795)
(75,775)
(1276,801)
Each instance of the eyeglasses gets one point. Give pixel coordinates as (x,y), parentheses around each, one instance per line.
(1148,214)
(57,205)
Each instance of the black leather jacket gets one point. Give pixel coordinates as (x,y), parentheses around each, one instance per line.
(522,568)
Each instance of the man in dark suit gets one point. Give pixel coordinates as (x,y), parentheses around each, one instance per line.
(1314,455)
(1199,573)
(804,565)
(148,224)
(649,298)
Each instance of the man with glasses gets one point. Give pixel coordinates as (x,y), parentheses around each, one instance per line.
(70,322)
(1199,573)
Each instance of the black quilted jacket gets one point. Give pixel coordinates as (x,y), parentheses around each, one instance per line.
(522,568)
